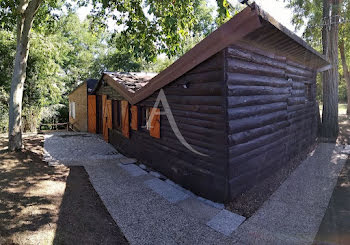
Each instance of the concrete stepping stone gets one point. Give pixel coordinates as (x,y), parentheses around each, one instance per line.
(215,204)
(226,222)
(127,160)
(198,209)
(166,190)
(133,169)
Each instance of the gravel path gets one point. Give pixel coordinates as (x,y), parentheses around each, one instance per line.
(77,148)
(153,212)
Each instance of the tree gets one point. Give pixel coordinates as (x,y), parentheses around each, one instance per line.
(330,78)
(149,27)
(26,11)
(325,12)
(344,48)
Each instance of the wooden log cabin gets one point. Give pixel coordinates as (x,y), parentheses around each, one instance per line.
(244,97)
(78,104)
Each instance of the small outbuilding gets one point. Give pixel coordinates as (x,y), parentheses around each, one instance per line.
(78,104)
(231,111)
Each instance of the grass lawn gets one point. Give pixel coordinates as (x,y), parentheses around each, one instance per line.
(49,205)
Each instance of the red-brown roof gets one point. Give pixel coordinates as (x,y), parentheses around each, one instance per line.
(252,26)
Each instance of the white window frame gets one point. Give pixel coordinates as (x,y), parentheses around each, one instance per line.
(72,109)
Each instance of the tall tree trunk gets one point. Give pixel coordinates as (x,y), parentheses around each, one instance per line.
(330,78)
(26,12)
(345,73)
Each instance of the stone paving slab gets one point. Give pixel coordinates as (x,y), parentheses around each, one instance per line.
(226,222)
(133,169)
(198,209)
(125,160)
(166,190)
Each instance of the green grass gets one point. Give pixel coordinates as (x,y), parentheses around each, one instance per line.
(341,108)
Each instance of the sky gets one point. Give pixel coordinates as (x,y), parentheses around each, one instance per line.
(276,8)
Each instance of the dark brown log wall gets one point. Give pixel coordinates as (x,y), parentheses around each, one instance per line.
(198,104)
(270,118)
(246,110)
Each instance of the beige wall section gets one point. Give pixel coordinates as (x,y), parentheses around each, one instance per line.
(79,96)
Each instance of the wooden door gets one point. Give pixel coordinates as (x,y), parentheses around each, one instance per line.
(92,117)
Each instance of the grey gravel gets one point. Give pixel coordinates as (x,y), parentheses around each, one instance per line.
(68,147)
(294,212)
(146,216)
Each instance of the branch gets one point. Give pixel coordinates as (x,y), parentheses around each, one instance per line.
(22,6)
(33,8)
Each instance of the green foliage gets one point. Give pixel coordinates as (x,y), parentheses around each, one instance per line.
(7,52)
(308,13)
(152,27)
(65,51)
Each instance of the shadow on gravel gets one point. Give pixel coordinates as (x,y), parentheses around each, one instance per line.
(335,226)
(83,218)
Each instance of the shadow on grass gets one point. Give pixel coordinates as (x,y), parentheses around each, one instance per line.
(44,205)
(23,208)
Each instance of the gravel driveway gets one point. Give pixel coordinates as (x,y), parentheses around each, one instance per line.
(150,211)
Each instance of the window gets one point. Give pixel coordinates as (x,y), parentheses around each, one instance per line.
(116,112)
(72,109)
(145,114)
(308,92)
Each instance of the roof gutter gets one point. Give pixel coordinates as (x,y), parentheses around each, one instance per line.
(324,68)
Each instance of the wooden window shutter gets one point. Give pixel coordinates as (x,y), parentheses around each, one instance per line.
(155,123)
(109,114)
(134,117)
(104,118)
(116,114)
(125,118)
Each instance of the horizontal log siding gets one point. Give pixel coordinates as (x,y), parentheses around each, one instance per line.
(270,120)
(199,111)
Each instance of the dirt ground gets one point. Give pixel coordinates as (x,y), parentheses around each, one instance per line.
(250,201)
(49,205)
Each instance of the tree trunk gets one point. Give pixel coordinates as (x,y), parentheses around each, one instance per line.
(26,13)
(330,78)
(345,73)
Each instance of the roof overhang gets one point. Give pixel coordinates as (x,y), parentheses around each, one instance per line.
(250,25)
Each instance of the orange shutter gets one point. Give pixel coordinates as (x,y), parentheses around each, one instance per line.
(104,118)
(109,114)
(155,123)
(92,114)
(125,118)
(134,124)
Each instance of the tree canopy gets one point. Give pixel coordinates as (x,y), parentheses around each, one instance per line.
(146,36)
